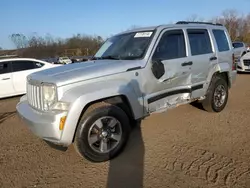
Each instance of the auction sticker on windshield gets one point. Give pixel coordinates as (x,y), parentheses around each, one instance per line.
(143,34)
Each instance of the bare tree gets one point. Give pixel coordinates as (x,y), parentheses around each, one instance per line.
(19,40)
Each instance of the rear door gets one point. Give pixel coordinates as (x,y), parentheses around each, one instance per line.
(202,55)
(6,86)
(222,44)
(21,69)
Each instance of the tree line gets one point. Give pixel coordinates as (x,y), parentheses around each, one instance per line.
(36,46)
(47,46)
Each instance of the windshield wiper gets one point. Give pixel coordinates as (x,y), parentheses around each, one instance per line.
(110,57)
(106,57)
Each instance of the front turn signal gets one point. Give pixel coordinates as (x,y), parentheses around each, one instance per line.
(62,122)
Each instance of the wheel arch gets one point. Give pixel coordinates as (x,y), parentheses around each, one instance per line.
(224,75)
(119,100)
(223,70)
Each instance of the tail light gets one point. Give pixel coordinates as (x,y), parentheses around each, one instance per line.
(234,62)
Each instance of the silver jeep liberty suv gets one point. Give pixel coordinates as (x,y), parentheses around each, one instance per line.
(93,105)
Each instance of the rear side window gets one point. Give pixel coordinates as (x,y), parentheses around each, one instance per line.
(199,41)
(221,40)
(22,65)
(5,68)
(171,46)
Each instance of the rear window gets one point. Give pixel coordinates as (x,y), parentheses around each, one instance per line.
(221,40)
(199,41)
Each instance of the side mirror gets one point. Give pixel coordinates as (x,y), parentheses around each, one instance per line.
(157,68)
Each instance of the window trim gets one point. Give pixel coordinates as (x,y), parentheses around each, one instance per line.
(163,32)
(206,30)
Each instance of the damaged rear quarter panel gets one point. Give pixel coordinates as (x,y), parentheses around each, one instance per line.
(217,68)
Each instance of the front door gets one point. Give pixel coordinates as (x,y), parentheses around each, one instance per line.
(171,68)
(6,86)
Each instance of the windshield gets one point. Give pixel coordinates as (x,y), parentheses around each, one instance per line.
(127,46)
(238,44)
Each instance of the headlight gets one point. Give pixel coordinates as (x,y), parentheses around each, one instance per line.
(49,95)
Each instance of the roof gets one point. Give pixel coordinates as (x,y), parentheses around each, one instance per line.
(16,59)
(181,24)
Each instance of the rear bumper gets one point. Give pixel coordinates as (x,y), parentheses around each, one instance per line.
(42,124)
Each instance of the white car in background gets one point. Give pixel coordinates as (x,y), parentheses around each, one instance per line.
(243,64)
(13,73)
(64,60)
(240,49)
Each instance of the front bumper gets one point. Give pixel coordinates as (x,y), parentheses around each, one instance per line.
(43,124)
(241,67)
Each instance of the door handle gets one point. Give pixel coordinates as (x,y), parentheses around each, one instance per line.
(213,58)
(5,78)
(187,63)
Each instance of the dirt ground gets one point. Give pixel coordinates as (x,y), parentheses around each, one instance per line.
(184,147)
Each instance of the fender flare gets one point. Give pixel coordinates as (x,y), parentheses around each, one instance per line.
(218,69)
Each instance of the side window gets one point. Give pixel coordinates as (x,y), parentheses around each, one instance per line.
(22,65)
(171,46)
(221,40)
(38,64)
(199,41)
(5,68)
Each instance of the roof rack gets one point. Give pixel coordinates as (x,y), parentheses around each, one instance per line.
(188,22)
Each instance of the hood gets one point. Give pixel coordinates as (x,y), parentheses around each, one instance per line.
(66,74)
(246,56)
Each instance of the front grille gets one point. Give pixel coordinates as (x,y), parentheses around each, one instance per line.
(34,96)
(246,62)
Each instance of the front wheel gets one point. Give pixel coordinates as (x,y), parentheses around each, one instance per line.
(102,132)
(217,95)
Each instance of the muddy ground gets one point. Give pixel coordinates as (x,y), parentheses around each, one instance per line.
(185,147)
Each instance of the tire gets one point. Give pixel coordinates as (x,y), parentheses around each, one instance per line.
(209,103)
(94,113)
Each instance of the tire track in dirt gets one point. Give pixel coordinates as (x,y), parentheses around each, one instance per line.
(215,169)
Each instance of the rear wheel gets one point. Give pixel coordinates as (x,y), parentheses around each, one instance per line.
(102,132)
(217,95)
